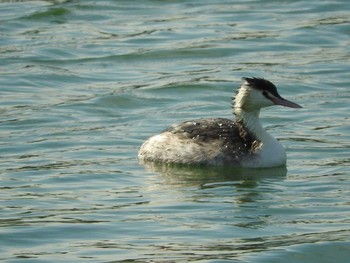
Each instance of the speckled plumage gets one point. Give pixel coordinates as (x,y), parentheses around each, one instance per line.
(233,140)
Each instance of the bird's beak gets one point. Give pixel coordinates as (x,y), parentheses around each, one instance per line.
(283,102)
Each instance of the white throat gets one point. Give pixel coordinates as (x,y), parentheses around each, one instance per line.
(251,121)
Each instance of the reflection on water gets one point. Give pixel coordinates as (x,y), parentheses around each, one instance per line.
(211,176)
(242,190)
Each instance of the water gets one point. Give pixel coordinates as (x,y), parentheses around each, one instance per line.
(84,83)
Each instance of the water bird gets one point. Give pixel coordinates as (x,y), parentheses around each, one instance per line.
(220,141)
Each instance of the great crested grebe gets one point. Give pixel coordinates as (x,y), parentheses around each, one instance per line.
(219,141)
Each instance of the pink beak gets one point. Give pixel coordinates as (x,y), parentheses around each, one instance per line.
(283,102)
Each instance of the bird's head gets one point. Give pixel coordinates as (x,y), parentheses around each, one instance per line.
(257,93)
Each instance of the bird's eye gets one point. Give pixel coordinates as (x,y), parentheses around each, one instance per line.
(265,94)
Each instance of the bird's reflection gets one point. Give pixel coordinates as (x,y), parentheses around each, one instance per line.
(236,194)
(206,177)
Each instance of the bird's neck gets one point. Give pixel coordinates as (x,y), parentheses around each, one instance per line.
(269,151)
(247,113)
(251,121)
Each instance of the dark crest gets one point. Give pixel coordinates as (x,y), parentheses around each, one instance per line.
(262,84)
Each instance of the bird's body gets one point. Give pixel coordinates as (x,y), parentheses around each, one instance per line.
(218,141)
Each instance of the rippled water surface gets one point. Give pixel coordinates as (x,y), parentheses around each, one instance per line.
(84,83)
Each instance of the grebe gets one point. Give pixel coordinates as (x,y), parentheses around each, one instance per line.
(219,141)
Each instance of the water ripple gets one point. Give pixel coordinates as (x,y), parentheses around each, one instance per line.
(84,83)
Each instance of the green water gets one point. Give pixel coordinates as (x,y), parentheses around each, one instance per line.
(84,83)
